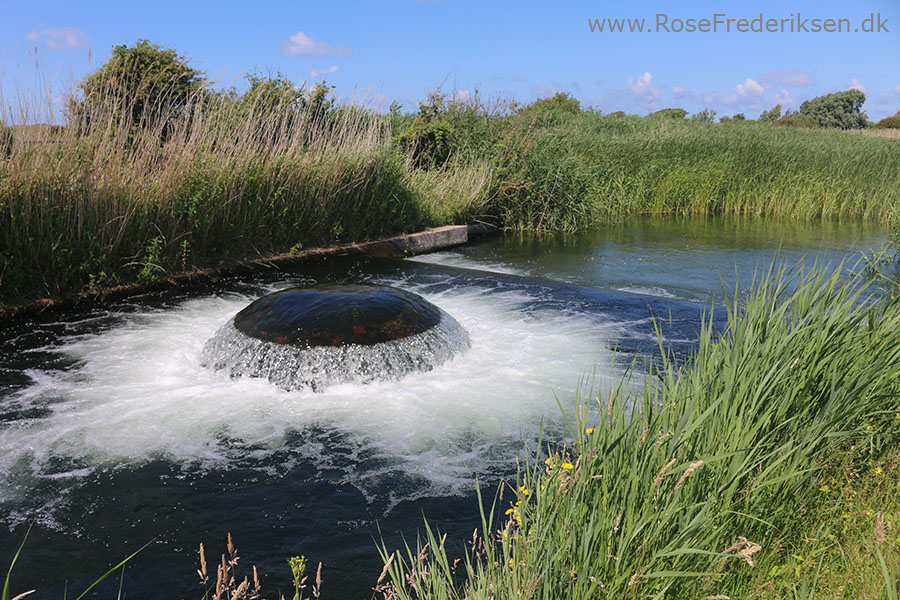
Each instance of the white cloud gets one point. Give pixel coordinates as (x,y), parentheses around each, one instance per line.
(544,91)
(856,84)
(747,93)
(678,91)
(461,96)
(58,38)
(787,77)
(784,98)
(642,86)
(316,73)
(748,89)
(301,44)
(897,90)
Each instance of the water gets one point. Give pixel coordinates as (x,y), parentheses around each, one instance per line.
(112,433)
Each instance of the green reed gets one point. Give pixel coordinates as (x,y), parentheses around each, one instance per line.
(681,491)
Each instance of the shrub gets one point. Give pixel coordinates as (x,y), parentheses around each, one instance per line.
(143,82)
(704,116)
(431,139)
(671,113)
(771,115)
(559,103)
(6,139)
(797,120)
(841,110)
(616,114)
(889,122)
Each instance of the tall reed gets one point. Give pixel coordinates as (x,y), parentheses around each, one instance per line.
(678,493)
(103,199)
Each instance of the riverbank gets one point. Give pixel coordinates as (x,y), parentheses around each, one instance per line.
(104,202)
(396,247)
(763,469)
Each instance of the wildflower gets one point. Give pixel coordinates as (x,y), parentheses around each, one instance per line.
(589,430)
(510,511)
(879,471)
(524,490)
(567,466)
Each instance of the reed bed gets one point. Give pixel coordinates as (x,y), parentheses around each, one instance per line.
(720,466)
(107,199)
(104,199)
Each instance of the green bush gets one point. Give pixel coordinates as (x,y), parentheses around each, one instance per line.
(617,114)
(7,136)
(430,140)
(798,120)
(704,116)
(559,103)
(771,115)
(841,110)
(144,82)
(671,113)
(889,123)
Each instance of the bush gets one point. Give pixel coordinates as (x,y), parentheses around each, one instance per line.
(431,139)
(841,110)
(671,113)
(6,139)
(142,81)
(704,116)
(797,120)
(559,103)
(771,115)
(616,114)
(889,123)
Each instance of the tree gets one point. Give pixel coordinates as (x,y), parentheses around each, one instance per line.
(889,122)
(704,116)
(841,109)
(559,103)
(771,115)
(144,81)
(671,113)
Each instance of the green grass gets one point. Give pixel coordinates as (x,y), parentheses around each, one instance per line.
(715,479)
(102,201)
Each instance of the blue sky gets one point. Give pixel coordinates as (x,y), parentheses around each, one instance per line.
(389,50)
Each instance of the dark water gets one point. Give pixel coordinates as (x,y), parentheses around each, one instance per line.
(111,434)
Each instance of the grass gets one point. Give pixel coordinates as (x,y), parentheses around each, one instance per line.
(102,200)
(756,471)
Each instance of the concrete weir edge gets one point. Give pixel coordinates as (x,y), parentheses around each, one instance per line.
(399,246)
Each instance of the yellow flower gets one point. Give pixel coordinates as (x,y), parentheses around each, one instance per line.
(524,490)
(567,466)
(589,430)
(510,511)
(878,471)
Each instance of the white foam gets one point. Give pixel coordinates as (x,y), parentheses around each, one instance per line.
(139,391)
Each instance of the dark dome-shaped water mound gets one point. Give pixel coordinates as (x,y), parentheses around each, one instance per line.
(337,315)
(312,337)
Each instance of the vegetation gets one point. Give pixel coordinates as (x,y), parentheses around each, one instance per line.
(155,174)
(771,115)
(739,475)
(145,82)
(841,109)
(704,116)
(889,122)
(671,113)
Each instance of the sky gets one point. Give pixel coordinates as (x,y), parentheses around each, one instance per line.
(381,51)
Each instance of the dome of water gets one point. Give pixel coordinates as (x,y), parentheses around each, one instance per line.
(312,337)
